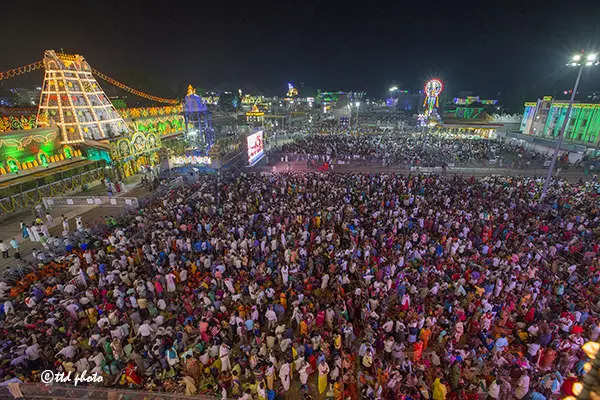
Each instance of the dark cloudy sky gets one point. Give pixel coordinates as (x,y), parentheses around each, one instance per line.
(489,47)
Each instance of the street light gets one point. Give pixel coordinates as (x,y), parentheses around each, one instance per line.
(575,62)
(393,88)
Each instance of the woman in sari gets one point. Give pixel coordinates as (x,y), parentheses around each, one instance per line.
(323,369)
(270,376)
(131,376)
(417,350)
(425,334)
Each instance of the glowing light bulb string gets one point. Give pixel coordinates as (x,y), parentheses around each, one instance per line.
(23,69)
(132,90)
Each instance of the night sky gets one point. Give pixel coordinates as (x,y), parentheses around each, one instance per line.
(495,49)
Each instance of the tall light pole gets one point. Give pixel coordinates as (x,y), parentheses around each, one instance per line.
(579,60)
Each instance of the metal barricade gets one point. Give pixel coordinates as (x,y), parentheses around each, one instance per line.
(90,201)
(30,198)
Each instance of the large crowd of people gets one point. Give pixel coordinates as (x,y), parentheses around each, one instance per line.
(345,286)
(411,149)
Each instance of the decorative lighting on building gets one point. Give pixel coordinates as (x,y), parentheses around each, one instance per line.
(72,99)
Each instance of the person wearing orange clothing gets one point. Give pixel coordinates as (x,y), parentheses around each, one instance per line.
(303,328)
(283,300)
(417,350)
(338,390)
(425,335)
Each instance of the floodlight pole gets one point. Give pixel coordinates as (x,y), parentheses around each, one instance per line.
(561,135)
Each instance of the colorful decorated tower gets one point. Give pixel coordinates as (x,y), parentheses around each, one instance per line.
(72,100)
(198,122)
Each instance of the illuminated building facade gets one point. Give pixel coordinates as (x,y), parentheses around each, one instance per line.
(545,118)
(28,149)
(471,108)
(466,101)
(72,100)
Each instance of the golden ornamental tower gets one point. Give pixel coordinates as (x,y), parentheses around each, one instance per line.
(73,100)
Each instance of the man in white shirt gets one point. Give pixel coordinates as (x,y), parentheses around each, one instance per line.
(67,352)
(522,386)
(271,317)
(33,352)
(145,330)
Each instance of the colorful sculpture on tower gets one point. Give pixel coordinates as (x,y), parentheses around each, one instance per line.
(433,88)
(292,91)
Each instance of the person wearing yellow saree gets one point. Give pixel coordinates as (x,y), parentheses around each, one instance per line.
(439,390)
(323,369)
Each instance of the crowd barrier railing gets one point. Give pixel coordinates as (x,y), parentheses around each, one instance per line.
(89,201)
(32,197)
(56,391)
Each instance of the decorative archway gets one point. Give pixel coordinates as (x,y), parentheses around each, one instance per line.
(124,148)
(43,158)
(138,142)
(151,141)
(68,151)
(12,164)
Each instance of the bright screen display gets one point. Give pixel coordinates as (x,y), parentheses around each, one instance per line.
(256,149)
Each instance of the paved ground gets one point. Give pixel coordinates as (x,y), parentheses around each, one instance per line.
(9,227)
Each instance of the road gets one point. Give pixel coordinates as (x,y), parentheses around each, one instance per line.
(372,168)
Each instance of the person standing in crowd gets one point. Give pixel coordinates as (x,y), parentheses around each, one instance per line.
(4,249)
(15,245)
